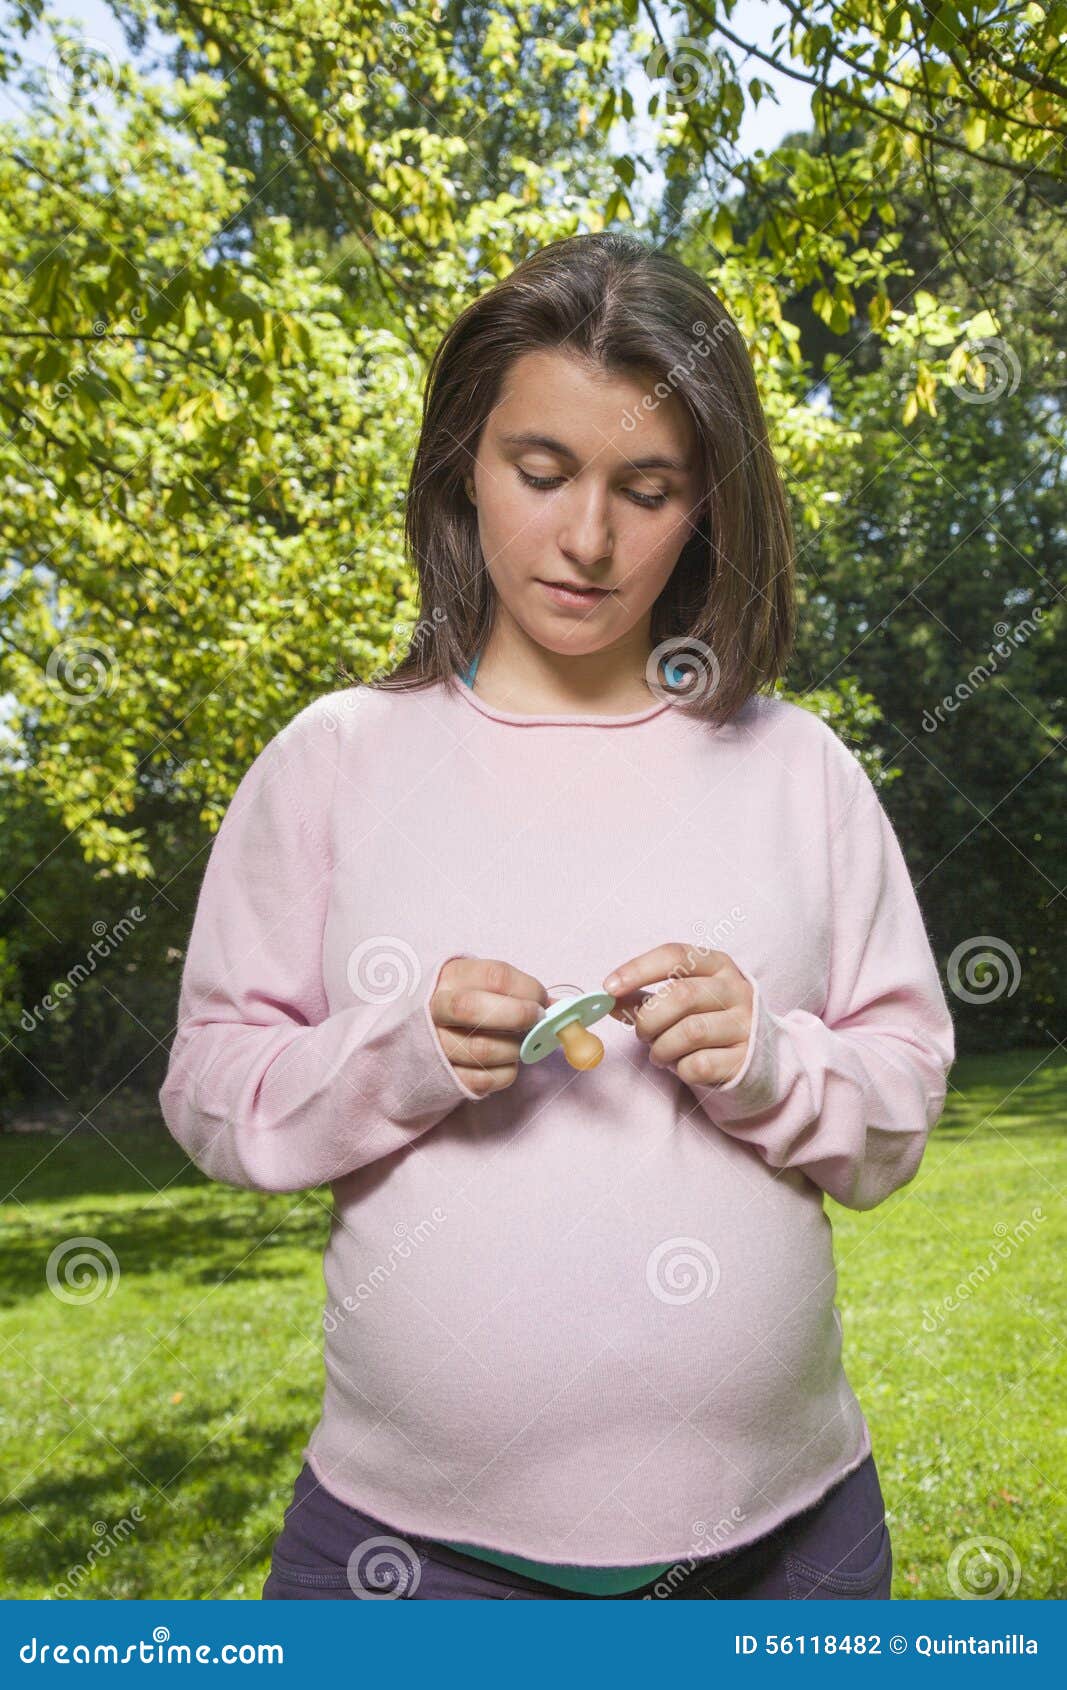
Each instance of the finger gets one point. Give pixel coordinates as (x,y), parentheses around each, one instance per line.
(479,1050)
(488,974)
(625,1007)
(484,1080)
(664,962)
(710,1067)
(711,1030)
(475,1009)
(677,999)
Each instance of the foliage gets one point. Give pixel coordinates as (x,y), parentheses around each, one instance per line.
(221,291)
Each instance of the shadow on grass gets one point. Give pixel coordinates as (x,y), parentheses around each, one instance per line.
(139,1194)
(209,1519)
(1006,1091)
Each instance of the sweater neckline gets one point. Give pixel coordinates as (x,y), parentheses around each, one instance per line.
(572,719)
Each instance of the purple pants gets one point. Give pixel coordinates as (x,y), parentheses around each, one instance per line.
(839,1548)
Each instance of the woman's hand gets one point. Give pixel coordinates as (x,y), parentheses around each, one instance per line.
(482,1011)
(699,1020)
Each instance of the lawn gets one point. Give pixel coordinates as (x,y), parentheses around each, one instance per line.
(150,1436)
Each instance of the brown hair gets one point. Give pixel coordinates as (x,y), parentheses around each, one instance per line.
(612,300)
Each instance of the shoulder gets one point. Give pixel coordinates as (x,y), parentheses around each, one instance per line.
(333,718)
(343,732)
(808,743)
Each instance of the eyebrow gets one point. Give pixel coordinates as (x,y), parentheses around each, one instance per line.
(563,451)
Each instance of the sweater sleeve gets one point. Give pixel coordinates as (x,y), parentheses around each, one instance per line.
(849,1095)
(265,1088)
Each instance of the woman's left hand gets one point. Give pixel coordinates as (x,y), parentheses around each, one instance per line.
(698,1020)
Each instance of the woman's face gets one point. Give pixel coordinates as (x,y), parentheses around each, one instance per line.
(620,500)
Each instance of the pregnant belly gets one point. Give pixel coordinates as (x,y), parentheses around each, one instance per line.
(496,1316)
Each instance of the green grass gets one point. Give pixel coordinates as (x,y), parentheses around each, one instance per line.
(189,1393)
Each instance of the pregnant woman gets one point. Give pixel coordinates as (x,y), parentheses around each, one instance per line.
(580,1328)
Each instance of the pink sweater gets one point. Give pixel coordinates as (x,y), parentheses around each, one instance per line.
(589,1318)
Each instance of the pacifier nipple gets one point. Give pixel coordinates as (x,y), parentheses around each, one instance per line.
(581,1047)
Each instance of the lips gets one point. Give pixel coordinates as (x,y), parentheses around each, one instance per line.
(573,593)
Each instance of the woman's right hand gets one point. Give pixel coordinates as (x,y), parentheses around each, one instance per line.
(482,1011)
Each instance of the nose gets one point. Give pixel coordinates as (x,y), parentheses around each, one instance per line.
(585,532)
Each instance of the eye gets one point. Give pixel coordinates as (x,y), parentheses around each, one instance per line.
(542,481)
(547,482)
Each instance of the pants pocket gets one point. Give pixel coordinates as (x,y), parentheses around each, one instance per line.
(807,1579)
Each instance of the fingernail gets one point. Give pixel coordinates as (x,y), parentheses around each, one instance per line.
(612,983)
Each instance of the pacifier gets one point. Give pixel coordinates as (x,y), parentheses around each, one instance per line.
(564,1027)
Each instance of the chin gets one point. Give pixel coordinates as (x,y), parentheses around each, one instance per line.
(549,641)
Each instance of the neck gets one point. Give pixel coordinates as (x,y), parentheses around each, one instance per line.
(522,676)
